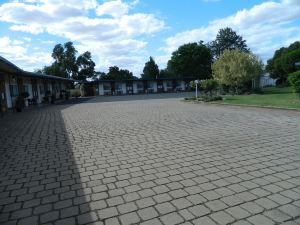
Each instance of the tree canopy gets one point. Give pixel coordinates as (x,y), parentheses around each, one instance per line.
(191,60)
(283,61)
(150,69)
(235,68)
(66,64)
(227,39)
(115,73)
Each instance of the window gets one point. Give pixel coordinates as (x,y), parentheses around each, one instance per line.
(150,85)
(13,90)
(140,85)
(178,84)
(169,84)
(106,87)
(119,87)
(26,88)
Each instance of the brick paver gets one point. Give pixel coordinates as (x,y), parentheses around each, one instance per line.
(137,160)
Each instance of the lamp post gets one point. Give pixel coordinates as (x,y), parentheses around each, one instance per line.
(196,82)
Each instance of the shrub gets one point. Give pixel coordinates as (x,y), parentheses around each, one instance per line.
(209,85)
(206,98)
(294,79)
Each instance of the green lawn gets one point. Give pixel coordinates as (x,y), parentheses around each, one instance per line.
(277,97)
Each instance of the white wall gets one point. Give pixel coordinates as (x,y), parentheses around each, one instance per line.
(124,88)
(7,92)
(165,85)
(134,87)
(101,89)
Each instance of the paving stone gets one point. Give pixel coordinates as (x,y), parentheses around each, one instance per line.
(266,203)
(147,213)
(33,220)
(199,210)
(145,202)
(181,203)
(171,219)
(50,216)
(165,208)
(130,218)
(152,222)
(260,219)
(290,210)
(277,215)
(204,221)
(237,212)
(87,218)
(67,221)
(126,208)
(216,205)
(222,217)
(107,213)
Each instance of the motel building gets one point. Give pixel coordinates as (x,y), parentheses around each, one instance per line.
(15,81)
(141,86)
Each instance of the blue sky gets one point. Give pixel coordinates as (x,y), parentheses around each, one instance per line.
(126,32)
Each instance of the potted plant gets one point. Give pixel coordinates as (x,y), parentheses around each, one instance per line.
(25,95)
(19,103)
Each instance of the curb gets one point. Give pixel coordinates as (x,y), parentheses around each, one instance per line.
(242,105)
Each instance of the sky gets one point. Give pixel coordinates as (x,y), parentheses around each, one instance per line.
(126,33)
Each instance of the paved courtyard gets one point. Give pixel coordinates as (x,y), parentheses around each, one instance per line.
(149,160)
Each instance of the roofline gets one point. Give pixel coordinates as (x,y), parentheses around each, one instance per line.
(144,79)
(20,72)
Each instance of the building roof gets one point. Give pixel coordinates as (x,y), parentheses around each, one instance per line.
(10,68)
(144,79)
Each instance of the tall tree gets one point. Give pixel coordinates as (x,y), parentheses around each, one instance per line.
(66,64)
(191,60)
(85,67)
(283,62)
(235,68)
(150,69)
(227,39)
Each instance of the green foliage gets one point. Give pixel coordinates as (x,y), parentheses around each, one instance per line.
(115,73)
(235,68)
(227,39)
(150,69)
(208,98)
(191,60)
(86,67)
(209,85)
(165,73)
(67,65)
(289,59)
(283,62)
(294,79)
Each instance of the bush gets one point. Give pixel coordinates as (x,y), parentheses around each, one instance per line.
(294,79)
(209,85)
(206,98)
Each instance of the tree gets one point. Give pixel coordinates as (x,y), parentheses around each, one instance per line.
(227,39)
(235,68)
(191,60)
(85,67)
(294,79)
(115,73)
(66,64)
(283,62)
(209,85)
(150,69)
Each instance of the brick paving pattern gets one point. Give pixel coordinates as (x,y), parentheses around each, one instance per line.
(135,160)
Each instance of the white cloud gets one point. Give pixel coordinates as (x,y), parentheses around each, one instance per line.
(115,8)
(16,52)
(266,27)
(103,35)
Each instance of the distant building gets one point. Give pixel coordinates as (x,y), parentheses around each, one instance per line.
(266,80)
(138,86)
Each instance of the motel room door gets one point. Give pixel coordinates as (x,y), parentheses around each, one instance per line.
(35,93)
(3,106)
